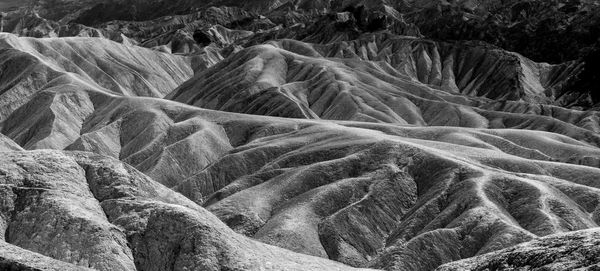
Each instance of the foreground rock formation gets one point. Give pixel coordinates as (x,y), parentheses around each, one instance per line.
(571,251)
(97,212)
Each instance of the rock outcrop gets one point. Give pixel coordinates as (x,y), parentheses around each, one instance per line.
(97,212)
(570,251)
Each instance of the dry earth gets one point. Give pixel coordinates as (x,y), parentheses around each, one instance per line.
(190,145)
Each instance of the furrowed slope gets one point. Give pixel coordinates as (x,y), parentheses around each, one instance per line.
(93,211)
(368,192)
(47,85)
(6,144)
(470,68)
(365,81)
(361,144)
(362,194)
(29,65)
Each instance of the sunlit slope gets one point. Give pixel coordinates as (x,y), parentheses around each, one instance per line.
(30,65)
(396,80)
(363,194)
(93,211)
(366,152)
(46,84)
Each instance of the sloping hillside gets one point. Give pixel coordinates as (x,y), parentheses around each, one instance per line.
(86,209)
(362,194)
(296,135)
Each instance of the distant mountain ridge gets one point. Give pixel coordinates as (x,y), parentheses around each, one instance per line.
(563,30)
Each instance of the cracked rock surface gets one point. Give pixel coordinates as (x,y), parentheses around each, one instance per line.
(96,212)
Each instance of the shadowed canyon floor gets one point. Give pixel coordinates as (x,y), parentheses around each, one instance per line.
(222,139)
